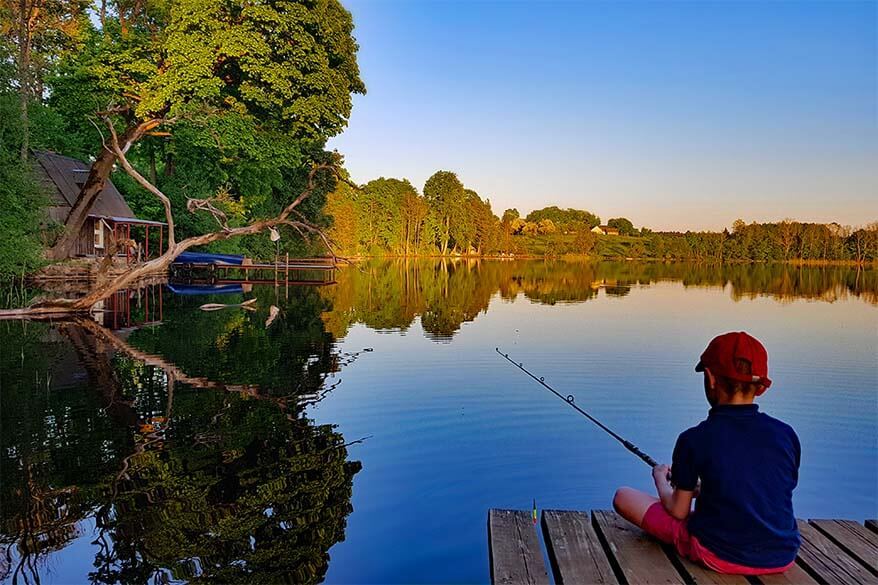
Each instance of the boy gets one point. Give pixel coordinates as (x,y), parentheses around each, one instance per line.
(739,465)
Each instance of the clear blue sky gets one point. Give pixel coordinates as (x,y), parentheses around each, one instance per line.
(675,114)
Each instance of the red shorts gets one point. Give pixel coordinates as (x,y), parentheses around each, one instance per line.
(666,528)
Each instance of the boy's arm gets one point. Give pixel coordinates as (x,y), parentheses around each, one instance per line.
(677,502)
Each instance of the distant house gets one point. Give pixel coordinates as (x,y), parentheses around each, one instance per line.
(605,230)
(110,217)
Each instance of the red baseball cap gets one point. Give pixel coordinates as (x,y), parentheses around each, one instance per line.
(722,352)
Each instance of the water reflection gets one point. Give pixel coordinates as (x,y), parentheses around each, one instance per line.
(391,294)
(167,463)
(163,443)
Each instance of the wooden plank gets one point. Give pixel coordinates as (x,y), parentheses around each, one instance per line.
(855,539)
(702,575)
(638,556)
(795,575)
(514,548)
(575,553)
(825,559)
(872,525)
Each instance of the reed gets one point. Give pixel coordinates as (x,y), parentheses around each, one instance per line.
(14,293)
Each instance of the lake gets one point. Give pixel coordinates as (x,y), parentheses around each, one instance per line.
(362,435)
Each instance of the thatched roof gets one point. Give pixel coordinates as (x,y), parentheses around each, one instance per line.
(63,176)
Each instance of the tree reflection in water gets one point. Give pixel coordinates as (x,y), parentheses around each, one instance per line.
(212,473)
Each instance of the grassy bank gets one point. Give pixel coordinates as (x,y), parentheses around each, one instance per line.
(561,244)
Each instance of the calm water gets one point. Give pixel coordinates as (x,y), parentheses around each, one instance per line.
(164,443)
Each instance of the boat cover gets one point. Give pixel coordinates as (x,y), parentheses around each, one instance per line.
(205,258)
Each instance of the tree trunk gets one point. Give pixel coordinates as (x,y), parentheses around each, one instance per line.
(170,167)
(94,184)
(24,74)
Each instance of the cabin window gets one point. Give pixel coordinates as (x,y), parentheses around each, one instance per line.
(99,233)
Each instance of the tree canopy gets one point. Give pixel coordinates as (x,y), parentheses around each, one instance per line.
(254,90)
(389,217)
(564,219)
(624,225)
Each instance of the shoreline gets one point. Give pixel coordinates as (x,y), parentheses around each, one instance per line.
(589,258)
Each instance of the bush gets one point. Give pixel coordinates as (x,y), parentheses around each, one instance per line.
(21,213)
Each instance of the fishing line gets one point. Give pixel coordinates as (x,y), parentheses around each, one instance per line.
(570,400)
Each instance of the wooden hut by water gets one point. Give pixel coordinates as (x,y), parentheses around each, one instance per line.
(110,217)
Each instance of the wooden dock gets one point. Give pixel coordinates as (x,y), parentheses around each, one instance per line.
(307,271)
(604,548)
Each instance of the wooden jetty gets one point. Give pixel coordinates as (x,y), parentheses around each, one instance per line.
(605,548)
(306,271)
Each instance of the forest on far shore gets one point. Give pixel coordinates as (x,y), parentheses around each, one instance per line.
(389,217)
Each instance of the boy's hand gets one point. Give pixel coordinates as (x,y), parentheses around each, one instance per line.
(661,474)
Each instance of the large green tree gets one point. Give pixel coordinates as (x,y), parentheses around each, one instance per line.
(286,66)
(382,203)
(564,219)
(446,197)
(623,224)
(414,213)
(36,33)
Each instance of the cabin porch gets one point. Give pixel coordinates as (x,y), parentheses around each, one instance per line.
(132,238)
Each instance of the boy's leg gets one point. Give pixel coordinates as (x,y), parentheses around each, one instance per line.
(632,504)
(647,512)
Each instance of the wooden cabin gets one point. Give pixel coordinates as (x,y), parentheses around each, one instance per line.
(110,217)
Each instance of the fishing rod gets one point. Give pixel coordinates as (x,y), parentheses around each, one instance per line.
(570,399)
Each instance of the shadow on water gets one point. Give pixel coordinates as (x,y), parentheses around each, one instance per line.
(165,443)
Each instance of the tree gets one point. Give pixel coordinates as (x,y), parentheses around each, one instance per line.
(584,241)
(517,226)
(445,195)
(864,242)
(381,203)
(546,226)
(414,211)
(788,234)
(464,231)
(40,30)
(291,67)
(564,219)
(506,230)
(21,200)
(624,225)
(341,206)
(484,224)
(530,228)
(509,215)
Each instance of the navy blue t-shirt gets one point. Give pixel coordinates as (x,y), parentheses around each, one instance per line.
(748,463)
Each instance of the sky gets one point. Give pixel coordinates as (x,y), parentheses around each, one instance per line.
(677,115)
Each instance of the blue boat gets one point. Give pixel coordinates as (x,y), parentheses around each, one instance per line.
(206,258)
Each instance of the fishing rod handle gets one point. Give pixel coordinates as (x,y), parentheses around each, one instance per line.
(643,456)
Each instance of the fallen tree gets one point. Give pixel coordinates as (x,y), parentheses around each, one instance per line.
(106,286)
